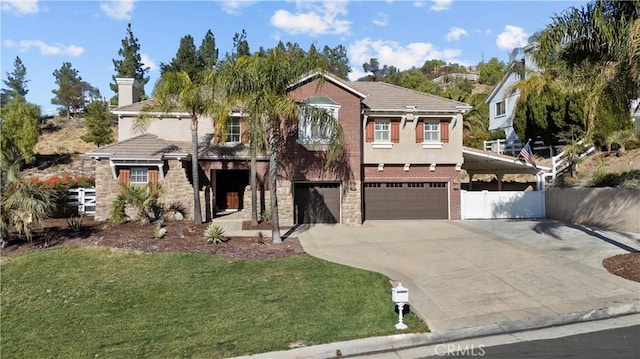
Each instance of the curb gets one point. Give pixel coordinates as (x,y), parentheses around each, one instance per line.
(376,345)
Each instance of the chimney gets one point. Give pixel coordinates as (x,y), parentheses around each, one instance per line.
(128,91)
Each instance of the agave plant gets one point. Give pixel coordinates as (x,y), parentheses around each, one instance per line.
(215,234)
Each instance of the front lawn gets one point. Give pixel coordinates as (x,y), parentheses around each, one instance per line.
(95,302)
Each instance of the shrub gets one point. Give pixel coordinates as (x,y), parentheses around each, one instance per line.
(265,216)
(74,224)
(158,230)
(215,234)
(142,198)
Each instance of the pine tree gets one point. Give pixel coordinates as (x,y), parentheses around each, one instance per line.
(20,127)
(338,60)
(71,89)
(16,82)
(207,52)
(130,65)
(98,124)
(186,59)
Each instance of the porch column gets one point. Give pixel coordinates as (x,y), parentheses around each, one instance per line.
(499,176)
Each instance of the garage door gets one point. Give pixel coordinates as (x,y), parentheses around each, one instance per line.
(316,202)
(406,200)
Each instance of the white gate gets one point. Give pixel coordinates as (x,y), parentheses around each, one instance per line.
(502,204)
(84,199)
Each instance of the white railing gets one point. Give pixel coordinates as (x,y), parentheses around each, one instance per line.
(84,199)
(470,77)
(562,162)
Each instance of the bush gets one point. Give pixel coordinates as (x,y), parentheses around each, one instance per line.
(215,234)
(265,216)
(74,224)
(59,186)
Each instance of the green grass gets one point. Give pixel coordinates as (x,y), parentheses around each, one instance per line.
(88,302)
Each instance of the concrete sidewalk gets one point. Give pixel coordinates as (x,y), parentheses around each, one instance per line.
(477,278)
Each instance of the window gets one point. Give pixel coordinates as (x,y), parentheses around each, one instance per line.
(314,124)
(233,133)
(431,131)
(139,175)
(382,131)
(501,108)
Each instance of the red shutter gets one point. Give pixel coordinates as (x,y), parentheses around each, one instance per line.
(243,128)
(153,176)
(444,131)
(395,131)
(124,176)
(420,132)
(369,132)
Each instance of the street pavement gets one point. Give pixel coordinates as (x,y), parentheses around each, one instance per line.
(471,279)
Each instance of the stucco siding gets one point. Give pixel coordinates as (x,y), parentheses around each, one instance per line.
(170,128)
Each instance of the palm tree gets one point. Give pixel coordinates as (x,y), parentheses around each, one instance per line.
(177,90)
(23,202)
(600,44)
(260,81)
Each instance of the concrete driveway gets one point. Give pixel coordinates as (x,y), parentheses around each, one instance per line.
(502,274)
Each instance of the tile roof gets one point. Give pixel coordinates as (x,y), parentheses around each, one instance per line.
(384,96)
(143,147)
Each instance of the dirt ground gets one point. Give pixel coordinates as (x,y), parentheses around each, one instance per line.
(624,265)
(181,236)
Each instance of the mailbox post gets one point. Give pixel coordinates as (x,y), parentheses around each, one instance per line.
(400,296)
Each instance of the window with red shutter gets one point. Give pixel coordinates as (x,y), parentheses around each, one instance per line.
(369,131)
(395,131)
(444,131)
(123,176)
(153,176)
(420,132)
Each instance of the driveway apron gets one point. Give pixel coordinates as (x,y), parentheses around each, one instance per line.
(467,274)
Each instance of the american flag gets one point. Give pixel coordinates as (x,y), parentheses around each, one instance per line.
(527,155)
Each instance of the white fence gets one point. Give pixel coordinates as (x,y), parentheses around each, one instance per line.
(502,204)
(84,199)
(470,77)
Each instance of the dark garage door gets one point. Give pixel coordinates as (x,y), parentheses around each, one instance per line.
(316,202)
(406,200)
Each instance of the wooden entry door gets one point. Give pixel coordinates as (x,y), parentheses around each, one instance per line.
(232,200)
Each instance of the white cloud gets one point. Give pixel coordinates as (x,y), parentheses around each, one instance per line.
(233,7)
(45,49)
(440,5)
(381,19)
(393,53)
(419,4)
(313,18)
(147,62)
(512,37)
(455,33)
(118,9)
(20,7)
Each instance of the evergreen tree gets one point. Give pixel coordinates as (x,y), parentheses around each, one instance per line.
(71,89)
(207,52)
(338,60)
(491,72)
(98,124)
(373,66)
(16,82)
(20,127)
(240,45)
(186,59)
(130,65)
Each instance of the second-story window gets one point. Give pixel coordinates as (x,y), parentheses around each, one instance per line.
(233,133)
(316,119)
(382,131)
(431,131)
(501,108)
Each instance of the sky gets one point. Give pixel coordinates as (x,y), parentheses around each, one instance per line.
(88,34)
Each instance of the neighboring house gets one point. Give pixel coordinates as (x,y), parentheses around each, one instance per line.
(402,159)
(502,101)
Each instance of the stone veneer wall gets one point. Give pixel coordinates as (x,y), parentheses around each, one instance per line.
(175,186)
(106,190)
(352,203)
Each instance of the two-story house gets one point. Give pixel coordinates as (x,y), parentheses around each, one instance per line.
(402,156)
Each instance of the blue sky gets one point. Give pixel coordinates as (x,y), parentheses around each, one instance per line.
(88,34)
